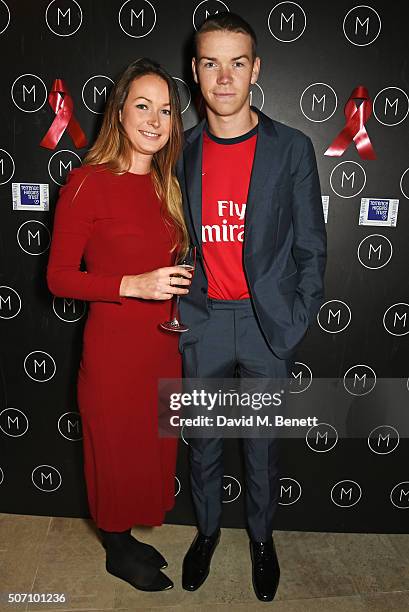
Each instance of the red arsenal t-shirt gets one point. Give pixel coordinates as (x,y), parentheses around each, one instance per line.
(226,171)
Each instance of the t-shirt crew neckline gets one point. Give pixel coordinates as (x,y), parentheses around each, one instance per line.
(231,141)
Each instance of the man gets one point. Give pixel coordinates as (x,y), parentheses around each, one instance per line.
(253,208)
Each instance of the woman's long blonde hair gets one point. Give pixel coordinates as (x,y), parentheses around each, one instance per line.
(114,148)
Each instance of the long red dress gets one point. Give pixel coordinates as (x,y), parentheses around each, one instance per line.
(115,223)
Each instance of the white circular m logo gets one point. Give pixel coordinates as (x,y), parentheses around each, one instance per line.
(63,17)
(396,319)
(33,237)
(391,106)
(400,495)
(375,251)
(362,25)
(346,493)
(137,18)
(231,489)
(360,379)
(39,366)
(290,491)
(347,179)
(318,102)
(95,92)
(10,302)
(46,478)
(383,440)
(334,316)
(321,438)
(29,93)
(61,163)
(287,21)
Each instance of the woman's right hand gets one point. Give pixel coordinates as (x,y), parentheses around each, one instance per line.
(156,285)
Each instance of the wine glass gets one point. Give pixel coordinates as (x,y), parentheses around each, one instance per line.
(187,261)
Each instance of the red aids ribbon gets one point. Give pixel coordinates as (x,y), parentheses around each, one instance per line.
(61,102)
(354,129)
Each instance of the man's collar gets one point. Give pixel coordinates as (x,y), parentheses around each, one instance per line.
(264,123)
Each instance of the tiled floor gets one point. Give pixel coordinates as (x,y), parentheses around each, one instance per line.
(320,572)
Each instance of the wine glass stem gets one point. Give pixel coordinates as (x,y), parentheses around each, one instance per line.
(175,308)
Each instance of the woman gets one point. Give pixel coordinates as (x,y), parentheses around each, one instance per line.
(122,211)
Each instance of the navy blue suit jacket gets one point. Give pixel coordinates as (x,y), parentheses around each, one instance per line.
(284,249)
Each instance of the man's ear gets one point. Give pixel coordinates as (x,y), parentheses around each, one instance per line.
(194,70)
(256,70)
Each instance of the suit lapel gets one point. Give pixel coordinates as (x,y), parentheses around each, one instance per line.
(192,156)
(266,165)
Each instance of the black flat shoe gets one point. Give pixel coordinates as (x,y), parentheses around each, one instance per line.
(144,552)
(196,564)
(149,552)
(266,570)
(141,576)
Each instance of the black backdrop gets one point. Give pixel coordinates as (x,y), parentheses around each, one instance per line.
(314,53)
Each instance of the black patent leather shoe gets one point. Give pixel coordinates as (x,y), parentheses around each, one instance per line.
(266,570)
(196,564)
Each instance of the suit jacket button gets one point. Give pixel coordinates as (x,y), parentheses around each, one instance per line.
(203,290)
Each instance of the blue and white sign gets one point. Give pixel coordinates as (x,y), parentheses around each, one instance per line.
(30,196)
(375,211)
